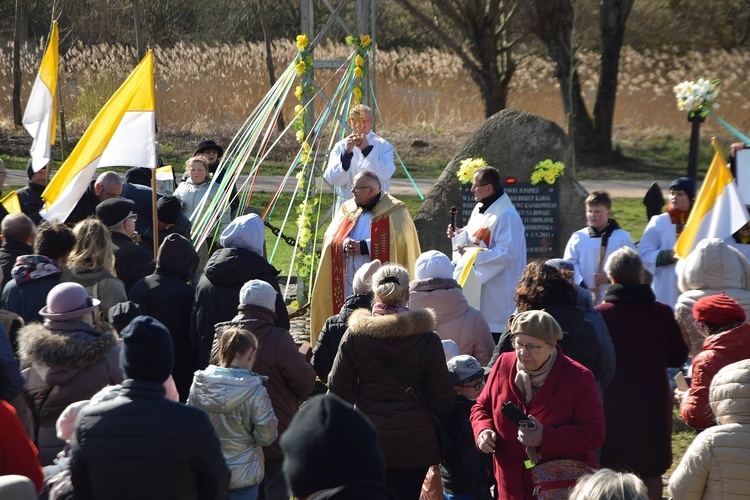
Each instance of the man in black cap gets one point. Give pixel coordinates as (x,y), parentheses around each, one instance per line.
(331,451)
(140,444)
(132,261)
(30,197)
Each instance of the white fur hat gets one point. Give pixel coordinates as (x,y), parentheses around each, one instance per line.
(433,264)
(258,293)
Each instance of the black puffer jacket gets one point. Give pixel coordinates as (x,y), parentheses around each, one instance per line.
(30,198)
(361,375)
(218,293)
(142,445)
(333,330)
(579,341)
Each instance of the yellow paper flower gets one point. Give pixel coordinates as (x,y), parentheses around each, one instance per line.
(358,72)
(305,234)
(303,220)
(350,40)
(359,61)
(301,67)
(357,92)
(467,167)
(547,171)
(300,135)
(364,40)
(304,158)
(298,109)
(302,42)
(306,147)
(298,92)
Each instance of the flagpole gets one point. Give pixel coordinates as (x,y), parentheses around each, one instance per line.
(154,213)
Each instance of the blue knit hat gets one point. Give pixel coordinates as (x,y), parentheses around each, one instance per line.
(684,184)
(147,353)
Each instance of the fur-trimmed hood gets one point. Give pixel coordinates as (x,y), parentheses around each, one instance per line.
(416,322)
(59,355)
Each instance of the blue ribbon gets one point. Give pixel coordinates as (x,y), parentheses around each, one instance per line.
(739,135)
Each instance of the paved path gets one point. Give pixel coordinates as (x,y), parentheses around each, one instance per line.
(401,187)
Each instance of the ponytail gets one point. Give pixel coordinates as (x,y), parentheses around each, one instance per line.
(235,341)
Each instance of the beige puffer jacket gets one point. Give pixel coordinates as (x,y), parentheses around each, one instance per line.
(712,267)
(717,463)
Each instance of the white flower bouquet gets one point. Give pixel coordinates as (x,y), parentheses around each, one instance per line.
(697,98)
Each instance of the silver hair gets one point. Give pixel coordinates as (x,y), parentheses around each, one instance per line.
(625,266)
(606,484)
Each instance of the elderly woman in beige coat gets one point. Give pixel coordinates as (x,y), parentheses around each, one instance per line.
(712,267)
(716,464)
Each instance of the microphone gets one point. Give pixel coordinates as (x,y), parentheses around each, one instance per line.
(454,212)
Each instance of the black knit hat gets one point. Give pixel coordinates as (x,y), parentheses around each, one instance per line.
(122,313)
(328,444)
(114,210)
(147,352)
(168,209)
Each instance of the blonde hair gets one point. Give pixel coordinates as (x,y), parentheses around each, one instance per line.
(233,341)
(197,159)
(390,284)
(93,248)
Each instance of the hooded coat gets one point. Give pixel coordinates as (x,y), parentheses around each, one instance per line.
(711,268)
(290,377)
(132,261)
(218,293)
(716,463)
(242,415)
(719,350)
(166,296)
(456,319)
(378,358)
(64,362)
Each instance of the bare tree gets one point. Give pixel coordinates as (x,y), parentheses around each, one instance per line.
(18,39)
(478,32)
(552,21)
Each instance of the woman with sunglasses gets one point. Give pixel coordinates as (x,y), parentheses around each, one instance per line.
(560,400)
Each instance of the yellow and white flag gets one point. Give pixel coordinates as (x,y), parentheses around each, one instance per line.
(11,203)
(718,211)
(40,117)
(122,134)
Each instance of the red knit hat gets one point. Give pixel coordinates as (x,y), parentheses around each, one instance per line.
(718,310)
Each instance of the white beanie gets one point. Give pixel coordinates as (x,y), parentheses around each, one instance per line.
(258,293)
(362,282)
(247,232)
(451,349)
(433,264)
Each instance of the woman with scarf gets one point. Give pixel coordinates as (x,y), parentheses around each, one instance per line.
(392,366)
(559,396)
(657,243)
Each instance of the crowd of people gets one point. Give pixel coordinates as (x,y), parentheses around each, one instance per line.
(476,375)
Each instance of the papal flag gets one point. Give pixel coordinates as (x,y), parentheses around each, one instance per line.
(11,203)
(40,117)
(718,211)
(122,134)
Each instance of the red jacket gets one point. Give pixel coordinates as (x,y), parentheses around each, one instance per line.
(568,405)
(18,454)
(718,351)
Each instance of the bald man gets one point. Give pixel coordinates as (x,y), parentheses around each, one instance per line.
(107,185)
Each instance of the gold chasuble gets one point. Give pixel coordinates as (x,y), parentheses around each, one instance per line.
(393,239)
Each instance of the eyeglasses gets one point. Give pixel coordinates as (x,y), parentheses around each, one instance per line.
(357,188)
(476,386)
(530,348)
(474,185)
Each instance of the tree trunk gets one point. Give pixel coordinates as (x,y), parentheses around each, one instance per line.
(269,60)
(139,38)
(613,16)
(17,41)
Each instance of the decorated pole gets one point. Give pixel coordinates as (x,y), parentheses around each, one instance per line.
(697,98)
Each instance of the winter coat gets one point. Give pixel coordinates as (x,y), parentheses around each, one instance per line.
(26,293)
(64,362)
(290,377)
(568,406)
(716,463)
(465,469)
(606,347)
(456,319)
(719,350)
(333,331)
(218,293)
(191,194)
(18,454)
(165,296)
(711,268)
(579,341)
(415,358)
(99,284)
(132,261)
(10,251)
(240,410)
(86,206)
(647,340)
(11,381)
(30,198)
(142,445)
